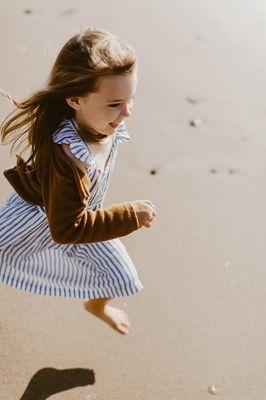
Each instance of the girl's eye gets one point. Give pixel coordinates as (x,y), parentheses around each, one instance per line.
(114,105)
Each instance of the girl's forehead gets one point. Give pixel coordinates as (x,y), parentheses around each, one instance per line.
(117,85)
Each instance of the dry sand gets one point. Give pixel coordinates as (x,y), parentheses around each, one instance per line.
(200,321)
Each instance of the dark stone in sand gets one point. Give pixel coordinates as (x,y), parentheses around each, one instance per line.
(28,11)
(231,171)
(195,122)
(153,172)
(213,171)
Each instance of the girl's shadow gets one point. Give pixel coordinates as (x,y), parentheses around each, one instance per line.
(49,381)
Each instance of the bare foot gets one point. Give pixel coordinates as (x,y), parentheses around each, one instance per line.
(113,316)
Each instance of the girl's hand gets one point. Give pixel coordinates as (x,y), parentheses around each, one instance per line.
(145,211)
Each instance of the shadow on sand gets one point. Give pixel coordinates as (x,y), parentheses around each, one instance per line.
(49,381)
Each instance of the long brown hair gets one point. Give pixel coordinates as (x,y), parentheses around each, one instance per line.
(81,62)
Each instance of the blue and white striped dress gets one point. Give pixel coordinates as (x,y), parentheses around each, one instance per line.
(30,260)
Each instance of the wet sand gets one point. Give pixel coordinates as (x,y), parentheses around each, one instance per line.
(199,125)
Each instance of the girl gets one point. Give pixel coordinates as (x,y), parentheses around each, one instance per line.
(56,238)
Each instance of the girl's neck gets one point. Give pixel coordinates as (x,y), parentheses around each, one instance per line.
(88,134)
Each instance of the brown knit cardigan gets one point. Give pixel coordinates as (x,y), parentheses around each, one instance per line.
(64,190)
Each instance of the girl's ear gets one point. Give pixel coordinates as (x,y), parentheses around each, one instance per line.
(73,102)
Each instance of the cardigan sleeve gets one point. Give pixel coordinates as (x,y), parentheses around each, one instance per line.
(65,192)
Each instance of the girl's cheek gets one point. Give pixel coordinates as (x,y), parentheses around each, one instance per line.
(114,113)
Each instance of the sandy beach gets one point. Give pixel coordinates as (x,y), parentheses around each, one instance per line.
(198,151)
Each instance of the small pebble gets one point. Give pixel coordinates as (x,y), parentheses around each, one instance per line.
(28,11)
(212,390)
(192,100)
(226,264)
(196,122)
(231,171)
(153,171)
(213,171)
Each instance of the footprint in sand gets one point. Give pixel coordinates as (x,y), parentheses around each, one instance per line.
(70,11)
(192,100)
(28,11)
(231,171)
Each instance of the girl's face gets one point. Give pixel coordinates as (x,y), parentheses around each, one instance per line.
(103,110)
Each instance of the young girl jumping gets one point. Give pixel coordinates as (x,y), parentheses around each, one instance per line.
(56,238)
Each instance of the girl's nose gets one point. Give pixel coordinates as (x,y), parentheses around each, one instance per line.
(127,110)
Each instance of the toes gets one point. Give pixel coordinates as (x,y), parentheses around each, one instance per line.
(121,328)
(125,323)
(116,318)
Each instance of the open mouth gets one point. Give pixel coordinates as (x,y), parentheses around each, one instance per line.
(114,124)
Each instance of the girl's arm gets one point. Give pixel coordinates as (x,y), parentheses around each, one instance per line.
(65,192)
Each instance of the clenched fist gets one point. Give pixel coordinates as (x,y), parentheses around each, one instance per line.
(145,211)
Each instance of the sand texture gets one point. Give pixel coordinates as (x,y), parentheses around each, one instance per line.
(198,330)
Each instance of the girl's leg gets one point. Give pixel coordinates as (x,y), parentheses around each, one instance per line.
(113,316)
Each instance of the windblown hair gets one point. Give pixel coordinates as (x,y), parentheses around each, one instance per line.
(81,62)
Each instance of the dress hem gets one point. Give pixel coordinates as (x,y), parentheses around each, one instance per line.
(84,294)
